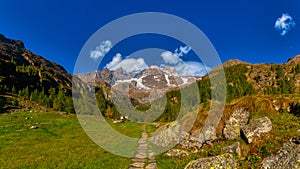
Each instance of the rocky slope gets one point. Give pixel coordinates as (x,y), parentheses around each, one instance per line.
(20,67)
(260,117)
(138,85)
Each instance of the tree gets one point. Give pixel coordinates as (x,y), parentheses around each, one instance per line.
(58,102)
(15,102)
(13,90)
(34,96)
(279,72)
(109,113)
(69,106)
(52,95)
(26,93)
(2,101)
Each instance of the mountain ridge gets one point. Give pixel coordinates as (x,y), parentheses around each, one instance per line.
(29,69)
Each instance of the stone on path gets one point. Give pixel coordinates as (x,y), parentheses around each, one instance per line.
(151,166)
(143,155)
(139,160)
(137,164)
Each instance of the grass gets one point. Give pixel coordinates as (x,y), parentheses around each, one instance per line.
(59,142)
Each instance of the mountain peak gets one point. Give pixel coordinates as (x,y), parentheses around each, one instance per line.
(17,43)
(233,62)
(295,59)
(29,69)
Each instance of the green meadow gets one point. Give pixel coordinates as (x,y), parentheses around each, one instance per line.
(59,142)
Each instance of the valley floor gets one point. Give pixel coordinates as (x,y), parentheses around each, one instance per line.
(60,142)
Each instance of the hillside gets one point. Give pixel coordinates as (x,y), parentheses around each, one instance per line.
(25,76)
(21,68)
(243,79)
(260,118)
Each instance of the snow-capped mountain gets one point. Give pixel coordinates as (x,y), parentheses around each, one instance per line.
(143,86)
(155,78)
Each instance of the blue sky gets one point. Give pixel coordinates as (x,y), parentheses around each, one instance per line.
(238,29)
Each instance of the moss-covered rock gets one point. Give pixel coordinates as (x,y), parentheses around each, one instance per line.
(225,161)
(238,119)
(288,157)
(256,128)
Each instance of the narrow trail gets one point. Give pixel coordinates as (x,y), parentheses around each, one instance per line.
(145,157)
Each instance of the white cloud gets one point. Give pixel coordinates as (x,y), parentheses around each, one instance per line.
(128,64)
(116,60)
(183,50)
(284,24)
(174,58)
(101,50)
(169,57)
(185,68)
(192,69)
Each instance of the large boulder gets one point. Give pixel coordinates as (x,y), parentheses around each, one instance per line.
(237,120)
(287,157)
(256,128)
(193,142)
(225,161)
(207,135)
(168,135)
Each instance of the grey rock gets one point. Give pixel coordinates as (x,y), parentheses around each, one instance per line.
(256,128)
(207,135)
(34,127)
(288,157)
(190,143)
(195,141)
(169,134)
(151,166)
(237,120)
(118,121)
(177,153)
(234,148)
(137,164)
(224,161)
(141,160)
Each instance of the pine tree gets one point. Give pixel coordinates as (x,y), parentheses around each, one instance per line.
(58,103)
(52,95)
(69,106)
(13,90)
(26,93)
(2,102)
(15,102)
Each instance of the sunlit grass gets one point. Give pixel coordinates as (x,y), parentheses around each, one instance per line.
(59,142)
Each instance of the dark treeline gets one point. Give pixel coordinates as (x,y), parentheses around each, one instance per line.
(106,107)
(53,98)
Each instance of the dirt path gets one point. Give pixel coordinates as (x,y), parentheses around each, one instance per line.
(144,158)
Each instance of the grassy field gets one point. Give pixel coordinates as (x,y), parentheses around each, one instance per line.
(59,142)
